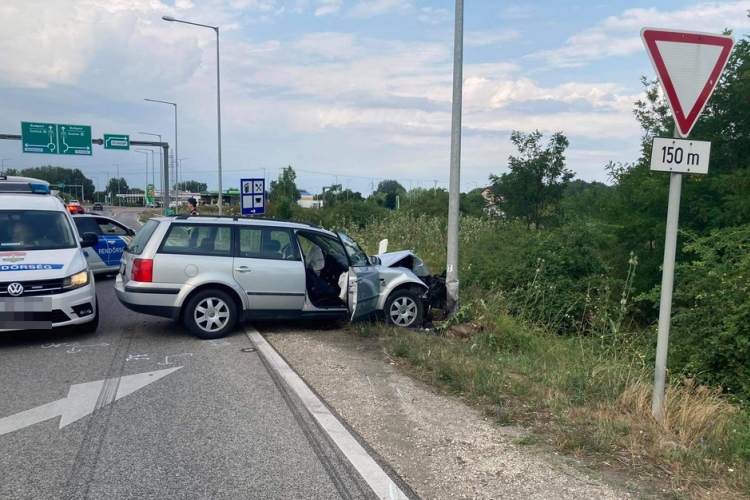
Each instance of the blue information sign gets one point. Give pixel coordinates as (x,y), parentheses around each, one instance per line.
(253,193)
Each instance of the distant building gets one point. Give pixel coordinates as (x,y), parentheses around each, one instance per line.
(307,200)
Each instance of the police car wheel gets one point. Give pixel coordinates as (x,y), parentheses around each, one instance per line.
(91,326)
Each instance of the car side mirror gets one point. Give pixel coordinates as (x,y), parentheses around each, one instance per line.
(89,240)
(375,260)
(131,232)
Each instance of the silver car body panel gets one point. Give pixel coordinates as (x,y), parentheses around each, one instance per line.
(392,278)
(271,284)
(262,284)
(417,266)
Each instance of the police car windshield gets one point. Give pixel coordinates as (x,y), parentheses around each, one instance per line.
(34,230)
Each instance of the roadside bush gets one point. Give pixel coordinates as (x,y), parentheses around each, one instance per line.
(711,325)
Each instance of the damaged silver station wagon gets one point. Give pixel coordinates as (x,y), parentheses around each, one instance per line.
(210,272)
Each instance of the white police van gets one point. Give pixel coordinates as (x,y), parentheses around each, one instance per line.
(45,281)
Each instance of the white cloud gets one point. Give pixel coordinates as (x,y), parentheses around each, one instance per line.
(430,15)
(518,11)
(312,89)
(366,9)
(619,35)
(328,7)
(484,38)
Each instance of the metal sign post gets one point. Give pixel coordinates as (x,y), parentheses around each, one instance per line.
(689,65)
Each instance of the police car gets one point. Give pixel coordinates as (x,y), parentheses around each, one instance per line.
(44,279)
(113,236)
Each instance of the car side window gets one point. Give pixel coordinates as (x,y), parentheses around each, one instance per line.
(109,228)
(87,225)
(206,239)
(266,243)
(357,256)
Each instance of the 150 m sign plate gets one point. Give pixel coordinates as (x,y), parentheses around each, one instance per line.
(684,156)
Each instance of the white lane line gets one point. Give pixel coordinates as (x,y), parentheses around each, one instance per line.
(378,480)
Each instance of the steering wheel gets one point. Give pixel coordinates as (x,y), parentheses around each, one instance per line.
(286,252)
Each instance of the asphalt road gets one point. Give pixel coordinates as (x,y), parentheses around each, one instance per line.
(197,419)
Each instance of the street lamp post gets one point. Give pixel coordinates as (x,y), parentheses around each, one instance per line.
(2,162)
(153,169)
(218,95)
(161,160)
(183,181)
(118,183)
(145,186)
(176,177)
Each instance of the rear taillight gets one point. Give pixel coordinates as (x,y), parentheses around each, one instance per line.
(143,270)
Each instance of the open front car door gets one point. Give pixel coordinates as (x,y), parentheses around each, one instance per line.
(363,280)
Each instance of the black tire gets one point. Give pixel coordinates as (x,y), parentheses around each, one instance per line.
(403,308)
(91,326)
(210,314)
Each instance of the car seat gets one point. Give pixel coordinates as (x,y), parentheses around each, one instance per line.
(272,248)
(207,245)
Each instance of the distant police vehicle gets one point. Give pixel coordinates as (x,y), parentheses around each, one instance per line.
(44,279)
(104,257)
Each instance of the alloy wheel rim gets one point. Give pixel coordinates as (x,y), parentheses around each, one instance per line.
(211,314)
(403,311)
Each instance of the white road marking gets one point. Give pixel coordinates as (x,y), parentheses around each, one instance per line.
(81,401)
(378,480)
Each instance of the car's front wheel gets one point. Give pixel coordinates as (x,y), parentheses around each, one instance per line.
(404,308)
(210,314)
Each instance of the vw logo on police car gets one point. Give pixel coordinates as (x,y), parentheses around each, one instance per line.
(15,289)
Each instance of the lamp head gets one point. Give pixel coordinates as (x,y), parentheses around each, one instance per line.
(168,18)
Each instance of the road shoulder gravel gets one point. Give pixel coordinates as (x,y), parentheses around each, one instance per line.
(444,448)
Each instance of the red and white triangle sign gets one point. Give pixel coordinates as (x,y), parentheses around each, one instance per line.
(688,65)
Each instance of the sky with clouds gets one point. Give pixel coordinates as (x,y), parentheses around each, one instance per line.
(347,91)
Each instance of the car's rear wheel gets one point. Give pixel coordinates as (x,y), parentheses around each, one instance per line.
(403,308)
(210,314)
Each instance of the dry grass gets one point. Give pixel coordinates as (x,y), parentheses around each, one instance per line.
(589,402)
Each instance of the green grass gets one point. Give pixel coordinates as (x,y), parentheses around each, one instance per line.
(585,396)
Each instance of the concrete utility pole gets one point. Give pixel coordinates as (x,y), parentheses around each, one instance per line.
(451,281)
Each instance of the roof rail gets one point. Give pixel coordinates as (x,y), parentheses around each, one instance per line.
(238,217)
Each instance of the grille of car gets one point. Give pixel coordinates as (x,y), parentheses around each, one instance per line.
(34,288)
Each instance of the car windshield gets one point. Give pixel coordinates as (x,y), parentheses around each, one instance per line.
(35,230)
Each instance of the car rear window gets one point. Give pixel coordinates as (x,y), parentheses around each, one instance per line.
(141,238)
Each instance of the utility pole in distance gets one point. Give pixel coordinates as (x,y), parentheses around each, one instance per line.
(451,281)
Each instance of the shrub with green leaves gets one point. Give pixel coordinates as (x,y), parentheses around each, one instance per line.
(711,326)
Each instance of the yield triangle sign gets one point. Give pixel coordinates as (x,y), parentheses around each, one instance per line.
(688,65)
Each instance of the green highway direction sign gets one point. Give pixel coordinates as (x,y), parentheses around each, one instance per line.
(61,185)
(55,139)
(39,138)
(75,139)
(117,141)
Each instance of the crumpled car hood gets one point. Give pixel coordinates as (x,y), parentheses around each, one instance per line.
(406,259)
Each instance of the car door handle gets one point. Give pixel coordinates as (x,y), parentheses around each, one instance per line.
(243,269)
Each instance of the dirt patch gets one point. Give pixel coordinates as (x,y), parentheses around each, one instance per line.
(442,447)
